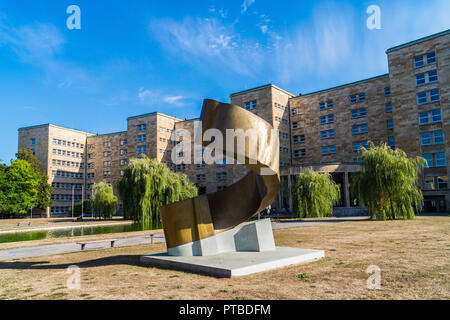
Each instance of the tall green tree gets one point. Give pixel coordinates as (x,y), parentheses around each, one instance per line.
(44,190)
(388,183)
(104,202)
(315,193)
(147,185)
(19,187)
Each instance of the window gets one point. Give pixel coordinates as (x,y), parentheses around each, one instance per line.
(123,152)
(362,97)
(142,138)
(323,134)
(200,178)
(436,115)
(106,174)
(438,137)
(142,149)
(440,159)
(107,154)
(434,95)
(431,58)
(300,153)
(33,141)
(330,118)
(359,129)
(387,91)
(442,182)
(425,138)
(391,141)
(418,62)
(299,139)
(358,144)
(432,76)
(142,127)
(388,107)
(361,113)
(421,98)
(221,176)
(123,142)
(330,104)
(429,183)
(181,167)
(322,106)
(323,120)
(353,100)
(250,105)
(428,160)
(390,124)
(123,162)
(332,149)
(324,150)
(331,133)
(420,79)
(107,144)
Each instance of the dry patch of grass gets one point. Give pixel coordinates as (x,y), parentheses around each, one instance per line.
(412,256)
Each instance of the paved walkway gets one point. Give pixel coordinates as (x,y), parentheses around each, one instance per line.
(313,222)
(51,249)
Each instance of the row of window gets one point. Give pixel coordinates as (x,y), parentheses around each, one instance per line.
(73,154)
(428,117)
(281,120)
(357,98)
(250,105)
(66,174)
(428,77)
(142,138)
(326,105)
(435,160)
(60,209)
(69,186)
(67,163)
(436,183)
(283,135)
(429,58)
(141,127)
(432,137)
(428,96)
(66,197)
(279,106)
(162,129)
(68,143)
(142,149)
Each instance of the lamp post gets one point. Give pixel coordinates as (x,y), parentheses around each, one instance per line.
(73,198)
(82,201)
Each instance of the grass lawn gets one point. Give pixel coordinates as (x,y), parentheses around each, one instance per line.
(413,257)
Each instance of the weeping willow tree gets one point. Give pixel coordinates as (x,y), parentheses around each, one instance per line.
(104,201)
(147,185)
(388,183)
(315,193)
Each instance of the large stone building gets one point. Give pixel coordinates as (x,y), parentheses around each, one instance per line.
(408,108)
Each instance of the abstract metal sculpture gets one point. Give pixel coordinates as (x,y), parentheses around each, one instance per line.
(209,215)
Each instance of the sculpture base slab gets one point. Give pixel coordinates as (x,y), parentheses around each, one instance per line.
(233,264)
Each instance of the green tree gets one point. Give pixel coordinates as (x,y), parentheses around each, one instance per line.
(147,185)
(388,183)
(104,201)
(19,187)
(44,190)
(315,193)
(87,208)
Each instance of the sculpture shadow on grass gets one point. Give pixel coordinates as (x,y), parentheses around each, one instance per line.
(131,260)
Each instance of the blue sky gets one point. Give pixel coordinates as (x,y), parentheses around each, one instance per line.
(133,57)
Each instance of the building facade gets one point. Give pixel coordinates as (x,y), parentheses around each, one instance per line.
(407,108)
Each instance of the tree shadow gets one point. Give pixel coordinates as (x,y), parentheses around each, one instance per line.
(131,260)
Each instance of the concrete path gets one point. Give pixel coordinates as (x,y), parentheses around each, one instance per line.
(51,249)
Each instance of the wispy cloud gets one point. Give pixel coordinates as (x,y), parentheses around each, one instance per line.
(246,4)
(208,41)
(157,96)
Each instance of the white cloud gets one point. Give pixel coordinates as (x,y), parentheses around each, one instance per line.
(246,4)
(158,97)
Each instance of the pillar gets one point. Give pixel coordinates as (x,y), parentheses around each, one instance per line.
(347,190)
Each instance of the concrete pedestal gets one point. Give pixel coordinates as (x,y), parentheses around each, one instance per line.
(232,264)
(248,248)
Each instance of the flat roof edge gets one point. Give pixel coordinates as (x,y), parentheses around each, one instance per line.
(53,125)
(262,87)
(344,85)
(436,35)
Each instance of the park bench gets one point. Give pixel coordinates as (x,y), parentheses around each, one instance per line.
(84,243)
